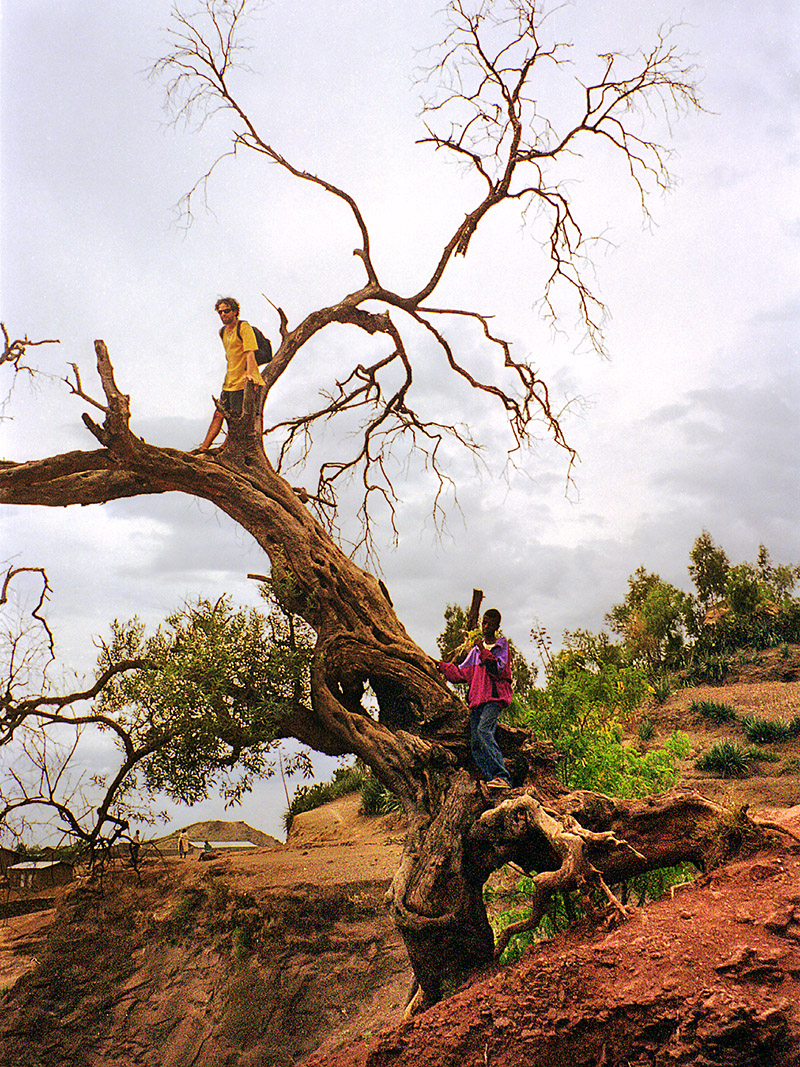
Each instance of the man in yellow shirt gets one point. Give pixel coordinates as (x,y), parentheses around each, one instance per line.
(240,352)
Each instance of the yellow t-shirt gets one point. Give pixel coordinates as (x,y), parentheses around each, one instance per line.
(235,348)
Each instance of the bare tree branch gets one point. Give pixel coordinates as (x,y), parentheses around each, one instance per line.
(486,109)
(14,351)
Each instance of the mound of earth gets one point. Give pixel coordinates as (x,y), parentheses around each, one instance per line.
(219,830)
(769,784)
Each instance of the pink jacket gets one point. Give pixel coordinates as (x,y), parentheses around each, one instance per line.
(487,672)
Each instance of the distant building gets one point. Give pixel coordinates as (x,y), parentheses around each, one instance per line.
(8,857)
(43,874)
(222,846)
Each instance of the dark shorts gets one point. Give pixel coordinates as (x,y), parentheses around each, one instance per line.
(231,401)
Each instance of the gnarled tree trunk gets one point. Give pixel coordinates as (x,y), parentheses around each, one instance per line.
(456,835)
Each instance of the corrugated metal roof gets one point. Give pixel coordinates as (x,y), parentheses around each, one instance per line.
(223,844)
(36,865)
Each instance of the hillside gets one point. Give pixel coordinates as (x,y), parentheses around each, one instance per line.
(218,830)
(285,955)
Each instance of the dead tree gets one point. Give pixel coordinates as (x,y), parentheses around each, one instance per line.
(486,114)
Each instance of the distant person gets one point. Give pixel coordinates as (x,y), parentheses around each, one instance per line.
(240,352)
(134,847)
(486,669)
(183,844)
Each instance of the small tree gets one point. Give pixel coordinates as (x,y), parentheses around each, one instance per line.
(652,619)
(191,709)
(708,569)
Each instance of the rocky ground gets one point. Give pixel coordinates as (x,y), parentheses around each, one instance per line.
(285,955)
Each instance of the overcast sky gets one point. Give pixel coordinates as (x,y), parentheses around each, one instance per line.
(692,423)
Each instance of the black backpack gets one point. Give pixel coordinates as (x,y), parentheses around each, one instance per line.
(264,350)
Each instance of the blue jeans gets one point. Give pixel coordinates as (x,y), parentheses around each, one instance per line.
(485,750)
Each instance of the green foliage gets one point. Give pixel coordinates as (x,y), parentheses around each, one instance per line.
(205,713)
(601,762)
(714,711)
(662,689)
(452,636)
(663,627)
(566,908)
(647,729)
(655,884)
(758,610)
(745,591)
(590,693)
(728,759)
(707,667)
(780,579)
(376,799)
(653,619)
(770,731)
(708,569)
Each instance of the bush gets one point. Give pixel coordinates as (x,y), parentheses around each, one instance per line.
(376,799)
(727,759)
(710,667)
(646,730)
(662,688)
(714,711)
(768,731)
(601,762)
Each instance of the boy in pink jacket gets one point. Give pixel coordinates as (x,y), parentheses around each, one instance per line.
(486,669)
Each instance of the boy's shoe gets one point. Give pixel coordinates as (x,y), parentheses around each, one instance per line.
(498,783)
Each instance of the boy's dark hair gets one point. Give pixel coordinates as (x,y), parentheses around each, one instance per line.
(493,615)
(230,302)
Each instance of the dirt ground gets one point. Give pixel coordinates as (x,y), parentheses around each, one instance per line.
(709,976)
(252,957)
(285,955)
(769,785)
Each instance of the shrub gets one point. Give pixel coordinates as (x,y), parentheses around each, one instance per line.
(727,759)
(754,754)
(767,731)
(646,730)
(714,711)
(601,762)
(376,799)
(662,688)
(710,667)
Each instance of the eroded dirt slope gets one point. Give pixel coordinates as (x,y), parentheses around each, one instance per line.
(248,959)
(708,977)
